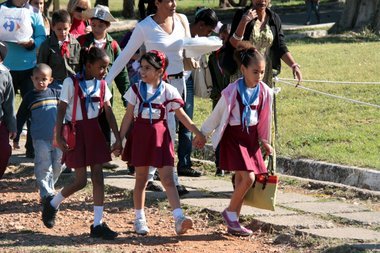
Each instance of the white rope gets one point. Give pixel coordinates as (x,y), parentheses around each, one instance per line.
(328,94)
(326,81)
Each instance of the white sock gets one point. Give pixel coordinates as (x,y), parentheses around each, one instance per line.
(98,215)
(232,216)
(57,200)
(177,213)
(140,214)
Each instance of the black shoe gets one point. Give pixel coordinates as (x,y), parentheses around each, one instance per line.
(219,173)
(29,154)
(67,170)
(181,190)
(49,213)
(154,187)
(189,172)
(102,231)
(156,176)
(131,170)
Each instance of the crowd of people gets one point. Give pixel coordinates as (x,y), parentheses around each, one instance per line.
(64,73)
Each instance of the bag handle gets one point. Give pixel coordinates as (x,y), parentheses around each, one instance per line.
(76,91)
(186,26)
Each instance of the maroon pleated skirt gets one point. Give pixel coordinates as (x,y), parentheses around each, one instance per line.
(149,144)
(91,146)
(240,150)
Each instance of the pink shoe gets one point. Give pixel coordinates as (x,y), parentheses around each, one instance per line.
(234,227)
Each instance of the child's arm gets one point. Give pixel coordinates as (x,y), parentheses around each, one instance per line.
(62,106)
(127,121)
(199,139)
(116,147)
(265,120)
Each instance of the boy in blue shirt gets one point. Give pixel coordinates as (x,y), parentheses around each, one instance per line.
(40,105)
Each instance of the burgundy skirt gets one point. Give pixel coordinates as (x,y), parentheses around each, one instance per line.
(149,144)
(91,146)
(240,150)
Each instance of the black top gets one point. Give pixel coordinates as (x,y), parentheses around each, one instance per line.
(277,50)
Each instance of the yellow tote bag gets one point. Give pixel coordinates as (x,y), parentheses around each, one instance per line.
(263,192)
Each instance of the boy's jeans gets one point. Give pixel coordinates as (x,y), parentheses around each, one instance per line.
(47,166)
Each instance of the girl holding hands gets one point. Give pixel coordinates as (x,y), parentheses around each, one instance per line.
(149,142)
(240,123)
(91,148)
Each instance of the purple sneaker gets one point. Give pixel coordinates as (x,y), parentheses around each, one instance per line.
(234,227)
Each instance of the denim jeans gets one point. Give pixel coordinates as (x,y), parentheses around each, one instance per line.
(47,166)
(312,6)
(184,135)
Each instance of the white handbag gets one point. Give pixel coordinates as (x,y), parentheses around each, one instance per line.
(202,79)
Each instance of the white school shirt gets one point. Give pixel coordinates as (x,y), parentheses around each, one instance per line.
(67,96)
(168,93)
(235,118)
(149,33)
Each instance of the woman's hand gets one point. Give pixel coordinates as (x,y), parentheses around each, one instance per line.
(297,73)
(250,15)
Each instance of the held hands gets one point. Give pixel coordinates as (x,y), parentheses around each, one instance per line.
(199,141)
(116,148)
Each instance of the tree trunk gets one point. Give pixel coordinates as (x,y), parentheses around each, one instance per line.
(359,15)
(224,4)
(241,3)
(128,9)
(102,2)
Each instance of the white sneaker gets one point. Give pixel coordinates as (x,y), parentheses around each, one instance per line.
(140,227)
(183,224)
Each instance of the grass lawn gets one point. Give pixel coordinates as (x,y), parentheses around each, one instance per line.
(319,127)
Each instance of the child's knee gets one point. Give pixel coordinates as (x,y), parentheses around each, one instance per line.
(167,181)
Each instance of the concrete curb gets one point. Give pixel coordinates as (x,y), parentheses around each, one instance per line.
(347,175)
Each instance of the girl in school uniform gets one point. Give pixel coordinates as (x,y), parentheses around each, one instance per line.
(240,122)
(91,148)
(149,142)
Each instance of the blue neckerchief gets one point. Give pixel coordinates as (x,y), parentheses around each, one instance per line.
(247,101)
(144,93)
(82,84)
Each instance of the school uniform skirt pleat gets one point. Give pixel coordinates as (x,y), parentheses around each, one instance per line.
(149,144)
(91,146)
(240,151)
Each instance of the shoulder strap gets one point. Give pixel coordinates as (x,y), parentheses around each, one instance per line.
(76,90)
(102,92)
(186,26)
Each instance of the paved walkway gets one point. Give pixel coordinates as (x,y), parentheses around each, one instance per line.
(304,214)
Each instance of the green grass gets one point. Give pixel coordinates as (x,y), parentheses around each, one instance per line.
(323,128)
(319,127)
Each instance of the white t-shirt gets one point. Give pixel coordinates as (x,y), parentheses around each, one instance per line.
(168,93)
(67,96)
(149,33)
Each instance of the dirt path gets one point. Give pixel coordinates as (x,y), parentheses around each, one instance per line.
(23,231)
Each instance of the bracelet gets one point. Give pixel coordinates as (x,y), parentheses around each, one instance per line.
(237,37)
(295,65)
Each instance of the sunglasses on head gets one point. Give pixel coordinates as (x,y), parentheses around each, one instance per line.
(80,9)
